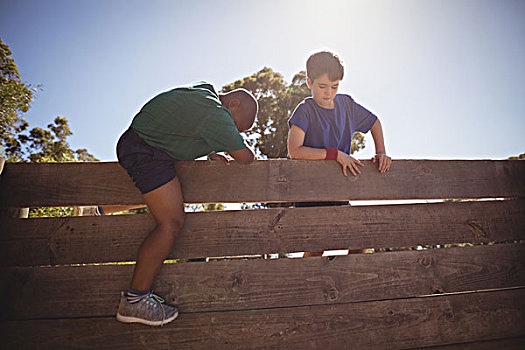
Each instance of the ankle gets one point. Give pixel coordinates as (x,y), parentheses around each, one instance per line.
(133,295)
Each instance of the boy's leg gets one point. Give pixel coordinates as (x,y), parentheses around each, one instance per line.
(310,254)
(152,170)
(108,209)
(166,204)
(139,304)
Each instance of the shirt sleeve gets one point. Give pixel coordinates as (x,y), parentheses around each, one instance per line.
(299,117)
(221,134)
(362,119)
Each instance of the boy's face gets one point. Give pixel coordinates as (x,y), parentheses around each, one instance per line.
(323,90)
(236,118)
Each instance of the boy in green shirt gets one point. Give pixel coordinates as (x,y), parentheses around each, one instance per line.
(181,124)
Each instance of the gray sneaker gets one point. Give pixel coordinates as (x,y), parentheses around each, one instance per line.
(150,310)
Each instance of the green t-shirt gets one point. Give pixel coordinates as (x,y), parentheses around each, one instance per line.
(188,122)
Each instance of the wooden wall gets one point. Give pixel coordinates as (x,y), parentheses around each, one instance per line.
(60,284)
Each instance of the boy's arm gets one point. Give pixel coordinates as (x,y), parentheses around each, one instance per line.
(243,156)
(384,161)
(218,157)
(296,150)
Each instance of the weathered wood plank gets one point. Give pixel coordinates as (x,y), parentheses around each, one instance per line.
(50,241)
(497,344)
(387,324)
(274,180)
(53,292)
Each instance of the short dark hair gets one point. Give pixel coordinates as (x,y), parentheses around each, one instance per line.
(249,106)
(324,62)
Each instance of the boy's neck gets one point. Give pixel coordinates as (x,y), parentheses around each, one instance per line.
(330,106)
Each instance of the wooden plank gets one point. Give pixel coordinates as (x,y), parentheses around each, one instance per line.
(387,324)
(61,184)
(498,344)
(49,241)
(49,292)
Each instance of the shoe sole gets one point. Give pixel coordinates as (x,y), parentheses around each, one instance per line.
(129,319)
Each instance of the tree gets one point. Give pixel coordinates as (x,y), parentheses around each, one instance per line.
(50,145)
(520,157)
(15,98)
(277,101)
(37,145)
(204,207)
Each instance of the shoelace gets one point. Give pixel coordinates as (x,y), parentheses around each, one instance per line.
(160,301)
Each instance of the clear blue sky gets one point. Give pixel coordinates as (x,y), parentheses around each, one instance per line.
(446,77)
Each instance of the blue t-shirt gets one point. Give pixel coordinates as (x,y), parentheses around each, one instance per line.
(331,127)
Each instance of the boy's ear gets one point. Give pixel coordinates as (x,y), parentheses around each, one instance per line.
(308,82)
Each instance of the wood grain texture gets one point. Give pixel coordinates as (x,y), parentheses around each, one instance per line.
(50,241)
(373,301)
(496,344)
(53,292)
(387,324)
(61,184)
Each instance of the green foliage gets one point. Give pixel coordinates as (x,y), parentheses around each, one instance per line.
(50,145)
(520,157)
(50,212)
(204,207)
(46,145)
(249,206)
(37,145)
(275,105)
(358,142)
(277,101)
(15,98)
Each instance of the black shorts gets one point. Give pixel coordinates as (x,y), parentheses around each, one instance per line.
(148,166)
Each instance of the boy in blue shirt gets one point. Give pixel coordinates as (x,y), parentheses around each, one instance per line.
(322,126)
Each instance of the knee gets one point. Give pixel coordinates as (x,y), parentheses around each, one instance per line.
(173,225)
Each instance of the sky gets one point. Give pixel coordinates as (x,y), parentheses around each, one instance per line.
(445,77)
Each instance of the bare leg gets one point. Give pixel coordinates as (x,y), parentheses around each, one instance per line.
(116,208)
(310,254)
(167,207)
(358,251)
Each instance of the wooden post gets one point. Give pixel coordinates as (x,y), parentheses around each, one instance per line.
(12,212)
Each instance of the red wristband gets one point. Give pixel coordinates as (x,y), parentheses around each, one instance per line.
(331,153)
